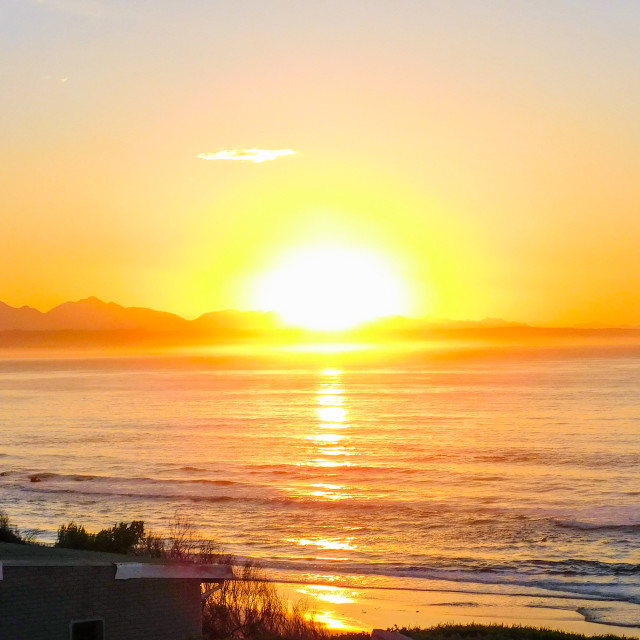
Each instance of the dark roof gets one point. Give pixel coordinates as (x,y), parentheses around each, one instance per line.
(127,566)
(39,555)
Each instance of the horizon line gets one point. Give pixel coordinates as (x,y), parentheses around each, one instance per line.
(438,322)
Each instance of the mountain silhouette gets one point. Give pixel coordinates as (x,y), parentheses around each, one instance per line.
(93,319)
(20,319)
(232,320)
(93,314)
(90,314)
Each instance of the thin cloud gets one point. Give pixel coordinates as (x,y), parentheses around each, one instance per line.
(249,155)
(55,79)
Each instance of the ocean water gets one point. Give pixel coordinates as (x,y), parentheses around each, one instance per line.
(513,475)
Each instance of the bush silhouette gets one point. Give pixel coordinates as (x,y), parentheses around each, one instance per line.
(121,538)
(8,532)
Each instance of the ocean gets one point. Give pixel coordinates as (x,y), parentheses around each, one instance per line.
(513,473)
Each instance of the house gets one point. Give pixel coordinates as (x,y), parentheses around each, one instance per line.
(48,593)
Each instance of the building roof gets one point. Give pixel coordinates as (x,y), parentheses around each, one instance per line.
(127,567)
(40,555)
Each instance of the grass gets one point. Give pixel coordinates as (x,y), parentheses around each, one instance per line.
(493,632)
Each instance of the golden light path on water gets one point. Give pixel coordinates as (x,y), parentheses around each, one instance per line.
(331,595)
(330,446)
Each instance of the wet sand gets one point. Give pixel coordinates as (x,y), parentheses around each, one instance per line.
(363,609)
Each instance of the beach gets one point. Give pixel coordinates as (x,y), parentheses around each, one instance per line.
(345,609)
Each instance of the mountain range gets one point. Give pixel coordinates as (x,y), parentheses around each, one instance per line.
(91,318)
(92,314)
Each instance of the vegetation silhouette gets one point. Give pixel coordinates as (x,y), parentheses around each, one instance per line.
(492,632)
(121,538)
(9,532)
(245,608)
(248,607)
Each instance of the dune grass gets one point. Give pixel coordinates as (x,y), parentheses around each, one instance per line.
(493,632)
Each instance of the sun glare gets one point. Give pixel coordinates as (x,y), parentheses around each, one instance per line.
(329,288)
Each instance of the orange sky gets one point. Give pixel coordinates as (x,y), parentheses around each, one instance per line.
(488,152)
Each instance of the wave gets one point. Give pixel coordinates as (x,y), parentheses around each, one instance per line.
(618,615)
(141,495)
(568,568)
(528,523)
(220,483)
(631,527)
(625,518)
(46,476)
(542,458)
(451,604)
(39,477)
(181,495)
(514,457)
(306,471)
(49,475)
(453,578)
(102,487)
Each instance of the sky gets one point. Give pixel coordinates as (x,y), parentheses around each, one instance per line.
(487,153)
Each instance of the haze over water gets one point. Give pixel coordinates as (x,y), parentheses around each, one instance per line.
(483,475)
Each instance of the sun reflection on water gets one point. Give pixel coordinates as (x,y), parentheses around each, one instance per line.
(328,618)
(328,593)
(328,495)
(335,452)
(320,463)
(334,595)
(326,437)
(332,414)
(333,425)
(328,491)
(330,446)
(329,435)
(324,543)
(329,399)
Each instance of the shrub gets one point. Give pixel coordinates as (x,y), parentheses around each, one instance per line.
(73,536)
(121,538)
(182,543)
(9,532)
(249,607)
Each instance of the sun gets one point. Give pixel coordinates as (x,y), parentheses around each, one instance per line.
(330,288)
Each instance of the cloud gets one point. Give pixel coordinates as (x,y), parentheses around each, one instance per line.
(250,155)
(55,79)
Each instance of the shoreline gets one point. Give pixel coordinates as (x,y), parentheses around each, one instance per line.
(346,608)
